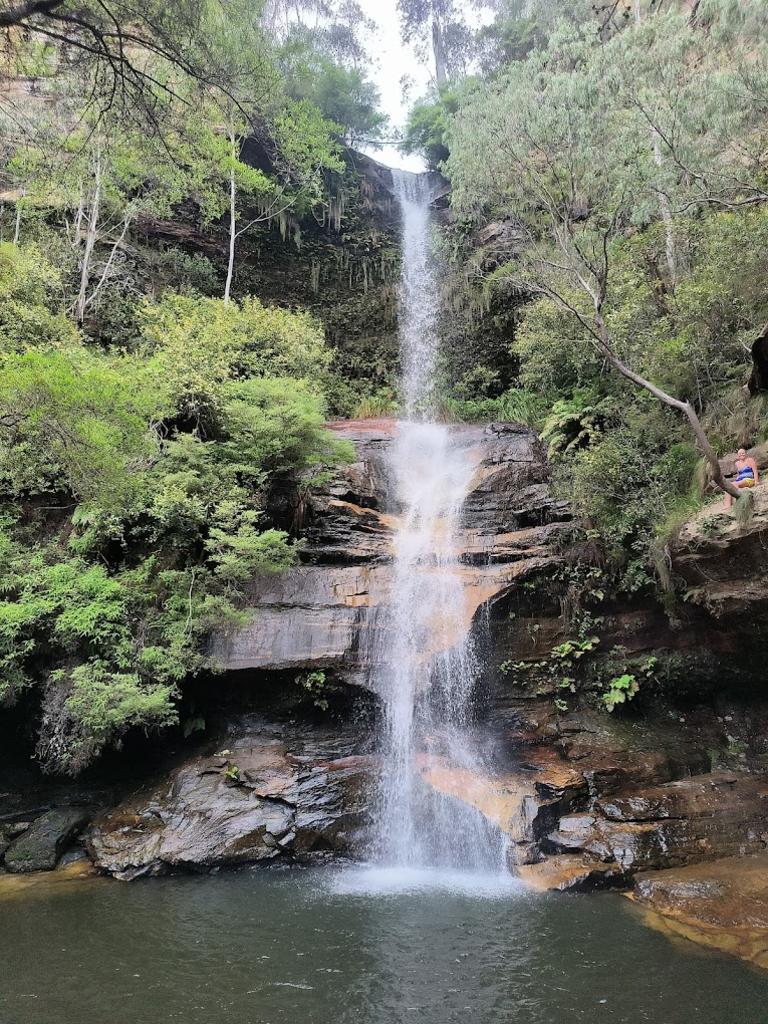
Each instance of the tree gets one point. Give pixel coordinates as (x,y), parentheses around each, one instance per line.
(344,96)
(331,28)
(132,490)
(100,178)
(303,148)
(557,146)
(439,26)
(426,129)
(133,53)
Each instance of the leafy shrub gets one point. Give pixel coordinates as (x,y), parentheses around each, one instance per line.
(620,689)
(161,463)
(31,307)
(198,345)
(381,403)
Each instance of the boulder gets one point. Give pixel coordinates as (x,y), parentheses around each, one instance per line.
(41,845)
(265,795)
(333,808)
(724,565)
(700,818)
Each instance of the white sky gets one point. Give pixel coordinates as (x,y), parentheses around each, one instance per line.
(391,61)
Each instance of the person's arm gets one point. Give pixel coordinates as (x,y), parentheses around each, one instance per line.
(753,466)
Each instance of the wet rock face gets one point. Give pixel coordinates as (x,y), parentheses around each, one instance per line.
(264,795)
(588,800)
(690,820)
(322,615)
(722,904)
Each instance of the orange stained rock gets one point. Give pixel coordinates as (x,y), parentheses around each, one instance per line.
(480,585)
(497,798)
(721,904)
(567,871)
(48,883)
(386,519)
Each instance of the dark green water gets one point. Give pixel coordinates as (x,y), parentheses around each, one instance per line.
(302,948)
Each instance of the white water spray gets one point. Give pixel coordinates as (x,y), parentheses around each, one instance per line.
(426,662)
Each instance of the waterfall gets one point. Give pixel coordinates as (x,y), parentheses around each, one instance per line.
(426,665)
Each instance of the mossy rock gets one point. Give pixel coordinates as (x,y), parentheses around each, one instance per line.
(39,848)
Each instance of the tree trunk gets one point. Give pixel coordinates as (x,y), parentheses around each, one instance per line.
(232,222)
(666,210)
(90,242)
(17,225)
(666,215)
(675,403)
(108,265)
(78,219)
(438,48)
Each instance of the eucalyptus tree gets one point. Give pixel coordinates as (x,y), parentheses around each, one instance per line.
(133,52)
(334,28)
(98,179)
(560,147)
(438,26)
(302,147)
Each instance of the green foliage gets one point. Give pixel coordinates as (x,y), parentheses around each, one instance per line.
(343,95)
(557,674)
(143,425)
(574,424)
(134,488)
(381,403)
(620,690)
(619,678)
(31,307)
(69,422)
(618,173)
(200,347)
(427,127)
(315,686)
(511,36)
(514,406)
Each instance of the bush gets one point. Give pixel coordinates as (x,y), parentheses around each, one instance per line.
(197,345)
(31,308)
(133,489)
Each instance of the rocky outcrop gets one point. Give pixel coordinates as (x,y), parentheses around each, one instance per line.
(721,904)
(681,822)
(323,614)
(312,617)
(723,563)
(660,801)
(270,792)
(588,801)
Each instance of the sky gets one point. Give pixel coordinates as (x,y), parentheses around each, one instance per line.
(392,60)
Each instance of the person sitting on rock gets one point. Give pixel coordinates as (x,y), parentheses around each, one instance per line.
(746,474)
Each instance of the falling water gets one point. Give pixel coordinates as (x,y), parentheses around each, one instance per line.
(426,662)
